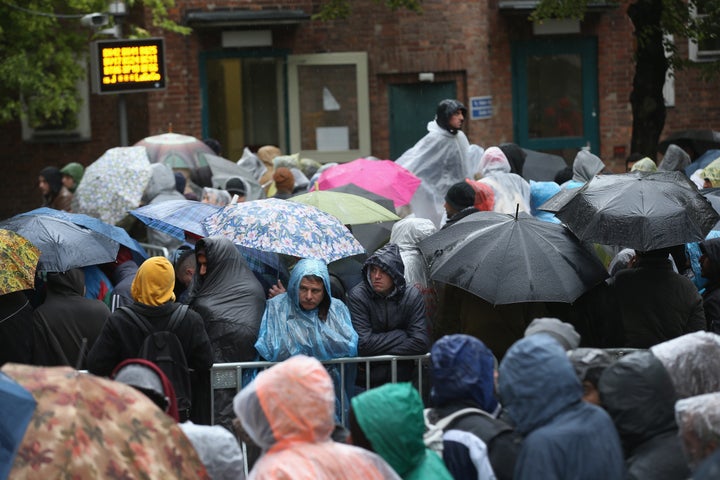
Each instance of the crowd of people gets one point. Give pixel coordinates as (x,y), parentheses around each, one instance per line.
(525,390)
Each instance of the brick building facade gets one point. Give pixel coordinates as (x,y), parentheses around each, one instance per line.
(469,45)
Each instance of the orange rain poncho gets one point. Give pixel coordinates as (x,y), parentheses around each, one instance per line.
(288,410)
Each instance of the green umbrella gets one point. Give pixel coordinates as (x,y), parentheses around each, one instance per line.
(348,208)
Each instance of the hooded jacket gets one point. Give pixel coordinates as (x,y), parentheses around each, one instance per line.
(230,300)
(675,159)
(121,338)
(392,324)
(462,370)
(711,294)
(59,197)
(566,438)
(540,192)
(391,418)
(638,394)
(510,189)
(585,167)
(65,319)
(288,412)
(288,330)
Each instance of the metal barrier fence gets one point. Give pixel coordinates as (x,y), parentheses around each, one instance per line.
(230,375)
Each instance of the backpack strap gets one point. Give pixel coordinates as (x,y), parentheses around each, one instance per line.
(445,421)
(177,317)
(144,325)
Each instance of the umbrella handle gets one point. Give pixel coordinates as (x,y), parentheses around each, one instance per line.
(517,210)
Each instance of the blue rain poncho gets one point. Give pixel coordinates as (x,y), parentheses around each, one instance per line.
(288,330)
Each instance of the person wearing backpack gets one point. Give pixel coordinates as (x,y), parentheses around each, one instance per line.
(462,425)
(153,314)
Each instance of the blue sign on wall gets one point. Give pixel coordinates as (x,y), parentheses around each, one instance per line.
(480,107)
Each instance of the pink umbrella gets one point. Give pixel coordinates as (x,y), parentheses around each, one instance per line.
(383,177)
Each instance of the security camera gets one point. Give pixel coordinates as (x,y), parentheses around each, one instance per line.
(94,20)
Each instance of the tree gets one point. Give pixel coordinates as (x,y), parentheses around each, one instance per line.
(656,52)
(341,9)
(42,44)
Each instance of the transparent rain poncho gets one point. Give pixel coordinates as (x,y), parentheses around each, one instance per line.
(693,362)
(511,190)
(698,420)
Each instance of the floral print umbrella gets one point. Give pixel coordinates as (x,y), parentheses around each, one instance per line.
(113,184)
(86,426)
(19,259)
(274,225)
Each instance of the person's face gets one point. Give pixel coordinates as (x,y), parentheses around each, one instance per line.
(707,183)
(381,282)
(695,449)
(43,185)
(185,275)
(590,393)
(311,293)
(457,119)
(706,268)
(68,182)
(201,263)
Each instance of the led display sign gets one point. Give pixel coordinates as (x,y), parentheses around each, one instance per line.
(124,66)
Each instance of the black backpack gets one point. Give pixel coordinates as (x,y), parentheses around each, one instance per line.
(165,350)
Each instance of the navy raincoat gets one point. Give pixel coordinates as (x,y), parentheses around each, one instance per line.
(566,438)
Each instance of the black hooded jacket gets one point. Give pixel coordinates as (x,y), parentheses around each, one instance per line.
(711,295)
(64,319)
(445,110)
(639,395)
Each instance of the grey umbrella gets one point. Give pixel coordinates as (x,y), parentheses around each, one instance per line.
(697,140)
(512,259)
(541,166)
(63,245)
(639,210)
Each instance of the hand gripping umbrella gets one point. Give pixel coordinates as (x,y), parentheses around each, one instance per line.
(512,259)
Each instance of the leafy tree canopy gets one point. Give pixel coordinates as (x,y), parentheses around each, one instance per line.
(42,44)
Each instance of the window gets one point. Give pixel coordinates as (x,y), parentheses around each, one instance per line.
(707,49)
(328,106)
(74,127)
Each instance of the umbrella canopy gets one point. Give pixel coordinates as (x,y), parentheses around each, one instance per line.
(175,150)
(223,169)
(348,208)
(63,245)
(113,184)
(639,210)
(382,177)
(118,234)
(355,190)
(175,217)
(16,399)
(698,140)
(702,161)
(19,259)
(275,225)
(512,259)
(541,166)
(91,427)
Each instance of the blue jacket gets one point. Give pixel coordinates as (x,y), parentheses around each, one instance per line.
(566,438)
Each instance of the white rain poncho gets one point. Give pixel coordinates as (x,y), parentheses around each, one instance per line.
(693,362)
(440,159)
(698,420)
(510,189)
(288,412)
(218,449)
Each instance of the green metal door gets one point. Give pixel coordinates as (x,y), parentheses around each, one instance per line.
(412,106)
(555,95)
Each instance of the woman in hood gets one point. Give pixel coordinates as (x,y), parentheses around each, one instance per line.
(511,190)
(288,412)
(388,420)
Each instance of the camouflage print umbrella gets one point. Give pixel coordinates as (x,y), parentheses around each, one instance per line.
(19,259)
(113,184)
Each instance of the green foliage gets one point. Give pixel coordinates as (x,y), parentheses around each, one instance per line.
(341,9)
(42,48)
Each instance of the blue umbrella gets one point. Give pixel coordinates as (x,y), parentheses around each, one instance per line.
(17,405)
(63,245)
(175,217)
(702,161)
(111,231)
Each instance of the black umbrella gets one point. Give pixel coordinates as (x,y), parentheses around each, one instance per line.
(640,210)
(698,140)
(541,166)
(512,259)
